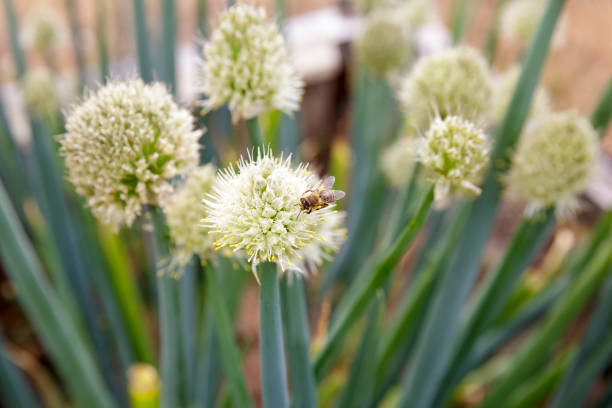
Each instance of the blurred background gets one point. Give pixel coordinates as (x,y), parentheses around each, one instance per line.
(319,35)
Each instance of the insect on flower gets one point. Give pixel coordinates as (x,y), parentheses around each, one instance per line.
(320,197)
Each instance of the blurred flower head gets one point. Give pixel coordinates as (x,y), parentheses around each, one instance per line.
(398,159)
(255,208)
(184,212)
(504,87)
(555,159)
(40,92)
(144,385)
(456,152)
(416,13)
(384,46)
(520,18)
(246,66)
(451,82)
(122,145)
(43,30)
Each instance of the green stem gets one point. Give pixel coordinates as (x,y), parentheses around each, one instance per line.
(255,132)
(101,39)
(14,35)
(230,355)
(271,347)
(493,33)
(142,39)
(402,333)
(77,40)
(362,291)
(167,289)
(169,43)
(295,319)
(603,112)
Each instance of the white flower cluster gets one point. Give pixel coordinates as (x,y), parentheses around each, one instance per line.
(255,208)
(184,212)
(43,30)
(520,18)
(246,66)
(451,82)
(385,44)
(456,152)
(121,146)
(555,159)
(504,88)
(40,92)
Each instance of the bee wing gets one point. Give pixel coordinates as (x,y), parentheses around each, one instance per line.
(329,196)
(327,183)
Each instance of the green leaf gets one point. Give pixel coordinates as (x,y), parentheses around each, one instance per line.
(528,238)
(535,351)
(399,339)
(229,353)
(142,39)
(169,43)
(534,392)
(271,347)
(49,317)
(595,352)
(77,40)
(15,389)
(101,39)
(13,24)
(209,364)
(295,320)
(360,384)
(364,288)
(255,132)
(128,296)
(603,112)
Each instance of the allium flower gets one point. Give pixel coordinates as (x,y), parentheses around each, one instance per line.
(40,92)
(554,161)
(504,87)
(144,385)
(255,208)
(246,65)
(397,161)
(416,13)
(452,82)
(384,45)
(520,18)
(42,30)
(121,146)
(456,152)
(184,212)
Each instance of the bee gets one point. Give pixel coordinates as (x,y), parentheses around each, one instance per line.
(320,197)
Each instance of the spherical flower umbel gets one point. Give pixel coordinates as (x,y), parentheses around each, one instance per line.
(255,208)
(504,88)
(43,30)
(122,145)
(456,152)
(246,66)
(398,159)
(451,82)
(40,92)
(384,46)
(184,211)
(554,161)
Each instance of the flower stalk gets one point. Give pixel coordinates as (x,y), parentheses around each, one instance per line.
(271,346)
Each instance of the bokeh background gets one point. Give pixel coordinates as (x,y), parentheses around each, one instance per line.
(319,33)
